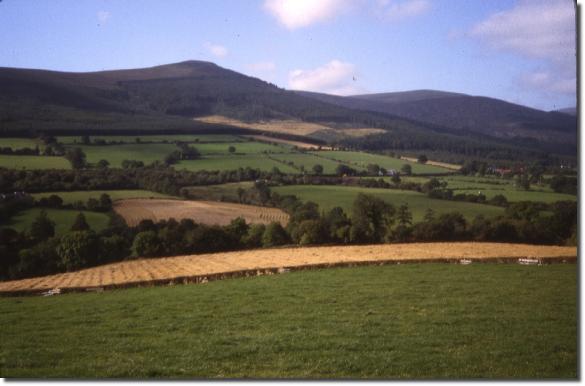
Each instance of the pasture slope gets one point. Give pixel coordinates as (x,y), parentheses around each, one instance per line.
(204,267)
(205,212)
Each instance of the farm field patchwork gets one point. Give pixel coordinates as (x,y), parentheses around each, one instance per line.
(418,321)
(83,196)
(19,143)
(264,138)
(329,197)
(234,162)
(115,154)
(249,147)
(132,139)
(308,161)
(363,159)
(206,212)
(491,186)
(33,162)
(63,219)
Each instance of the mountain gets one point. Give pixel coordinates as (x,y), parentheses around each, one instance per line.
(168,97)
(176,92)
(483,115)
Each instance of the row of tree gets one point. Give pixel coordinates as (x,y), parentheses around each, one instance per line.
(372,220)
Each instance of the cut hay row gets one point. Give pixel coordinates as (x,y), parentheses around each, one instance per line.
(205,212)
(207,267)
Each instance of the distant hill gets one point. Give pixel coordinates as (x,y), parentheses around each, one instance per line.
(482,115)
(168,97)
(186,89)
(568,110)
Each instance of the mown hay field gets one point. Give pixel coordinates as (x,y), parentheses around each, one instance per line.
(274,126)
(205,212)
(190,266)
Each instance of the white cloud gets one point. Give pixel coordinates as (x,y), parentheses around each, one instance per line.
(335,77)
(103,16)
(302,13)
(547,82)
(396,11)
(216,50)
(537,29)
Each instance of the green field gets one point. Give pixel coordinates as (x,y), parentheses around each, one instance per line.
(308,161)
(362,159)
(115,154)
(491,186)
(83,196)
(19,143)
(153,138)
(419,321)
(33,162)
(241,148)
(331,196)
(63,219)
(234,162)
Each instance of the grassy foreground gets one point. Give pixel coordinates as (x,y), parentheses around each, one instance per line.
(401,321)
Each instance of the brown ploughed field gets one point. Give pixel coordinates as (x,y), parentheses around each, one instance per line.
(205,212)
(204,267)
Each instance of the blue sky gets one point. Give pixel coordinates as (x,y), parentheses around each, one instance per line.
(522,51)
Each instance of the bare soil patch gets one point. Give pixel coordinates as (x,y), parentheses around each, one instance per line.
(206,212)
(201,268)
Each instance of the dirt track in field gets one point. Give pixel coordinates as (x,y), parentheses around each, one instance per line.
(201,268)
(205,212)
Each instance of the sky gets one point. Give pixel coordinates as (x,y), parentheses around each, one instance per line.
(521,51)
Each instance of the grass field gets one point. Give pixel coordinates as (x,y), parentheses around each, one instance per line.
(234,162)
(308,161)
(115,154)
(403,321)
(19,143)
(241,148)
(491,186)
(153,138)
(33,162)
(363,159)
(83,196)
(63,219)
(331,196)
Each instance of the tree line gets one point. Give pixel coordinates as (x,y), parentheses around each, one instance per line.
(373,220)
